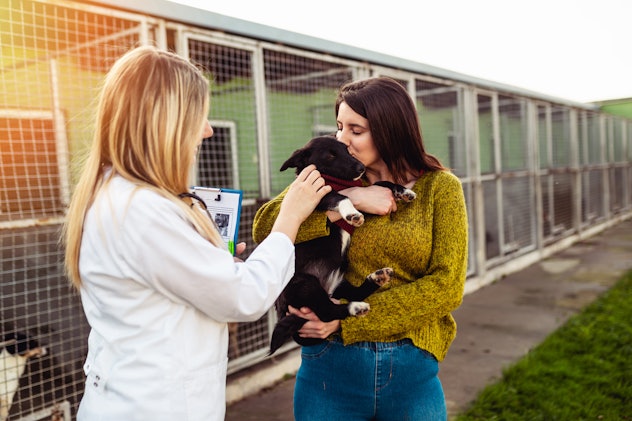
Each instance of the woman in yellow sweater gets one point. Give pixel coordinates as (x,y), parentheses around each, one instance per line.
(384,365)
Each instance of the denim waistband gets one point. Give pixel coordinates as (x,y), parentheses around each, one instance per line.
(373,345)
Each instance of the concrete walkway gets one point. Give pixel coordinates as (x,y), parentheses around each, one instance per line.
(499,323)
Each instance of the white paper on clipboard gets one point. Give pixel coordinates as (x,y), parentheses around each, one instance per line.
(224,206)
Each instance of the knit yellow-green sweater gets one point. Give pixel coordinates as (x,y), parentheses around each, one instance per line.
(425,242)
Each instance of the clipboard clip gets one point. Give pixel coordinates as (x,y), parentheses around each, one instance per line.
(202,204)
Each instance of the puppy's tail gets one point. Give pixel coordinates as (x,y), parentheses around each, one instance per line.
(284,330)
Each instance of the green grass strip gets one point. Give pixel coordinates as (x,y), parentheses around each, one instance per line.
(582,371)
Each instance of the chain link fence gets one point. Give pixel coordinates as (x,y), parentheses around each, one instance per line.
(536,173)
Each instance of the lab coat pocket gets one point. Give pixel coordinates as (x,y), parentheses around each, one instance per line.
(205,393)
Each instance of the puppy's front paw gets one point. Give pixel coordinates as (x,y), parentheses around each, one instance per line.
(407,195)
(349,213)
(358,308)
(355,219)
(381,276)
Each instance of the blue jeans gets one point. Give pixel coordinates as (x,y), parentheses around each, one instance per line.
(368,381)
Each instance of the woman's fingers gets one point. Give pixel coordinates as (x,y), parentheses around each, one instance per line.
(314,327)
(306,191)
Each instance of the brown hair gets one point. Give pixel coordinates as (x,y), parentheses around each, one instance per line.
(393,122)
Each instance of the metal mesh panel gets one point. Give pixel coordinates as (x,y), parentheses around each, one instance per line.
(582,138)
(629,143)
(618,149)
(628,191)
(556,179)
(508,197)
(592,196)
(557,205)
(300,94)
(513,141)
(440,109)
(229,159)
(53,58)
(617,189)
(216,163)
(30,185)
(38,306)
(542,128)
(591,151)
(487,155)
(563,201)
(518,214)
(561,137)
(491,214)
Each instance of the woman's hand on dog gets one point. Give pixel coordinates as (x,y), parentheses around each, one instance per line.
(314,327)
(299,202)
(376,200)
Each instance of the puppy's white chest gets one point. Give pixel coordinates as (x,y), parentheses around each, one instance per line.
(334,278)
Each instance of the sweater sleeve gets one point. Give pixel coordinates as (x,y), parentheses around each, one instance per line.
(426,300)
(314,226)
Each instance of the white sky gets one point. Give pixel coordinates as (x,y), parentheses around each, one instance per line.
(579,50)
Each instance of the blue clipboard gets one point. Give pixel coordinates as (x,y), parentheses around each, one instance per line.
(224,205)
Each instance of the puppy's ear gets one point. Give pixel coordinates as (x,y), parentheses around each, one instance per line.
(287,164)
(297,160)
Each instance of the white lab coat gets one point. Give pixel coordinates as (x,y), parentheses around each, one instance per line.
(157,297)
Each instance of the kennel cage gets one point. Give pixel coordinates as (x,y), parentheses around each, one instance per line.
(536,171)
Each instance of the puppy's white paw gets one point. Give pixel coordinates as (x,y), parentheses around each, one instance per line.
(407,195)
(381,276)
(350,214)
(358,308)
(355,219)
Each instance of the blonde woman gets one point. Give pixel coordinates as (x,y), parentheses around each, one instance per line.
(156,282)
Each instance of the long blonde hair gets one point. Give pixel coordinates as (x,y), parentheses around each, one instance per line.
(149,116)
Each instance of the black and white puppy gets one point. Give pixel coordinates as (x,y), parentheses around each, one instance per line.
(321,262)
